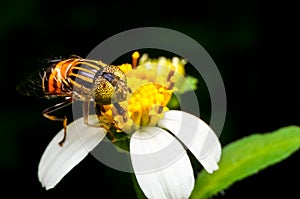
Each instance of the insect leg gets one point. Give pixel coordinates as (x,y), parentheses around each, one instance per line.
(106,126)
(120,110)
(86,113)
(47,113)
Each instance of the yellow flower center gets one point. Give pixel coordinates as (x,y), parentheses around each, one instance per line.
(150,88)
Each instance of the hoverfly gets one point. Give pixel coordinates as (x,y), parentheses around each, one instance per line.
(76,78)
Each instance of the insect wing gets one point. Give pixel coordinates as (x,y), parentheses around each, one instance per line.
(32,85)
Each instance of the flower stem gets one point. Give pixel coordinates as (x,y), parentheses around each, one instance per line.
(138,191)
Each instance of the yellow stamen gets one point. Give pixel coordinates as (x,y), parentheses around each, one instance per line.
(125,67)
(151,85)
(135,57)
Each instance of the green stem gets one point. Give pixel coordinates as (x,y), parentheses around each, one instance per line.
(139,192)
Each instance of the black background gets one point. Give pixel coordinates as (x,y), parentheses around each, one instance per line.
(253,43)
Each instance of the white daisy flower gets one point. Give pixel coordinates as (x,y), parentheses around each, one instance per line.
(158,137)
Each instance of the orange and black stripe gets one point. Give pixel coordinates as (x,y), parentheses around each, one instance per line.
(65,76)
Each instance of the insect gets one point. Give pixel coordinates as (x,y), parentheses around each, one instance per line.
(76,78)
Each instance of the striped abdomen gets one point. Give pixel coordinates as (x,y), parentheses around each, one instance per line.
(73,74)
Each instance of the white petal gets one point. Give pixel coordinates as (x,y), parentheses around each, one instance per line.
(197,136)
(57,161)
(161,165)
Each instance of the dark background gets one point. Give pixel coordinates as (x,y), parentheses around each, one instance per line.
(251,42)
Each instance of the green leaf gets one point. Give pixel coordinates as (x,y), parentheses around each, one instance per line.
(246,157)
(189,84)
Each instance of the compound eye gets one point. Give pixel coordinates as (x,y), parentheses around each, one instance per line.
(102,91)
(109,77)
(109,86)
